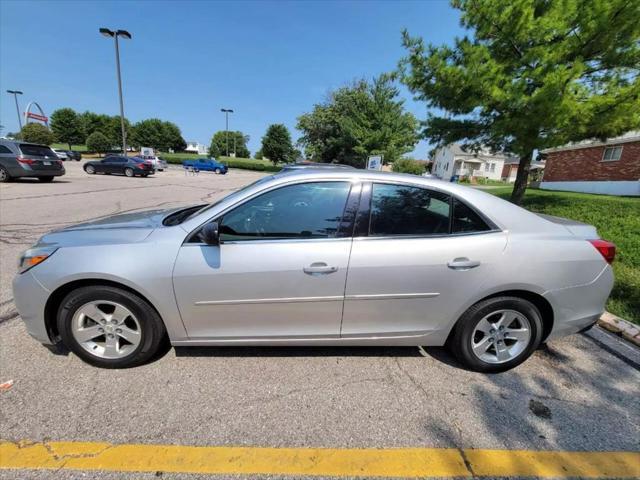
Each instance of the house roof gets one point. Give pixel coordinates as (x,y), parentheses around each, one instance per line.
(457,150)
(632,136)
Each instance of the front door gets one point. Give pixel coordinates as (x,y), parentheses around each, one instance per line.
(280,270)
(421,256)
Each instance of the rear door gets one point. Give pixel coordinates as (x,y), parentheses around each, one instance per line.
(418,255)
(43,158)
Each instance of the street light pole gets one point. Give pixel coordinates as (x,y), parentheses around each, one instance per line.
(226,112)
(115,34)
(15,94)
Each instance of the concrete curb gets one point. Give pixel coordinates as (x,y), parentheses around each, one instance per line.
(620,326)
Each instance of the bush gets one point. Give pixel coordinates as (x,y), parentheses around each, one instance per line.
(97,142)
(248,164)
(37,133)
(406,165)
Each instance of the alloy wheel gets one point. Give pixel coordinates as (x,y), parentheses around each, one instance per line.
(106,329)
(501,336)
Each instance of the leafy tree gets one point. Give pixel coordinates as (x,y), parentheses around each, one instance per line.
(220,141)
(157,134)
(98,142)
(408,165)
(258,155)
(534,74)
(37,133)
(92,122)
(276,144)
(66,126)
(214,151)
(358,121)
(113,130)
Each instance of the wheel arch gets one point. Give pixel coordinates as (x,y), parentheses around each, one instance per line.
(56,297)
(541,303)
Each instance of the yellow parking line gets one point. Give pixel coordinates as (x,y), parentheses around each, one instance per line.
(368,462)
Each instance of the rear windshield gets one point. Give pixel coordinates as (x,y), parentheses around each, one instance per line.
(36,150)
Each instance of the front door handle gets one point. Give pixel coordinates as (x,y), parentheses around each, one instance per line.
(462,263)
(319,268)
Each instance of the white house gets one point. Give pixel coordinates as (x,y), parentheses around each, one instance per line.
(452,160)
(196,147)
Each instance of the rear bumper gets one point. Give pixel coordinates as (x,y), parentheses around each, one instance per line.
(18,171)
(578,307)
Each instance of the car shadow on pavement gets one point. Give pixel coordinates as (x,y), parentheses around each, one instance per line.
(298,351)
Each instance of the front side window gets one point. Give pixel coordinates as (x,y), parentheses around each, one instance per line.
(612,153)
(405,210)
(301,211)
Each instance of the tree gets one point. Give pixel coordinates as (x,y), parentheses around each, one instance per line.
(535,74)
(276,144)
(258,155)
(37,133)
(408,165)
(220,140)
(214,151)
(92,122)
(158,134)
(98,142)
(113,130)
(357,121)
(66,126)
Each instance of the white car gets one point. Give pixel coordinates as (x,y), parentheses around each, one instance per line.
(158,163)
(61,154)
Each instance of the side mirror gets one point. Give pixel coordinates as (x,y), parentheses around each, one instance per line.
(209,234)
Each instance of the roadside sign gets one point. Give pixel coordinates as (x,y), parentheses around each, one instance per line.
(374,162)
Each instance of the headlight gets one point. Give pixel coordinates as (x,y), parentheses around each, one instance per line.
(33,257)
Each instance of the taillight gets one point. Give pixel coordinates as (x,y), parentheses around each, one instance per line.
(606,249)
(26,161)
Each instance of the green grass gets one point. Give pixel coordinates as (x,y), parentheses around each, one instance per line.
(64,146)
(617,220)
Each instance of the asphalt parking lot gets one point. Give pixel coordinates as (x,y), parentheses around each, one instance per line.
(577,394)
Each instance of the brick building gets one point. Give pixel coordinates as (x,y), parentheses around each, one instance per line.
(611,167)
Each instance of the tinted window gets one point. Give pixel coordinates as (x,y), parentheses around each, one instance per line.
(309,210)
(403,210)
(466,220)
(4,149)
(37,150)
(119,159)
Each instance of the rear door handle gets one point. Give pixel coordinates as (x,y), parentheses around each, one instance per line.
(462,263)
(319,268)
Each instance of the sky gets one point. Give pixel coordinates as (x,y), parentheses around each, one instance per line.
(268,61)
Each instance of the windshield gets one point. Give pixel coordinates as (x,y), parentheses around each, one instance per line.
(237,193)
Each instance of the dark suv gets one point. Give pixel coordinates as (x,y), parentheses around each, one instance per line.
(22,159)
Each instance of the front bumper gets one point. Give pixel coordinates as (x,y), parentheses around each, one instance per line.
(30,298)
(578,307)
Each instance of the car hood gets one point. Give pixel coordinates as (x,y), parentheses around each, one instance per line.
(124,228)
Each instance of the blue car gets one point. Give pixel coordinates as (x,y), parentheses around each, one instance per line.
(206,164)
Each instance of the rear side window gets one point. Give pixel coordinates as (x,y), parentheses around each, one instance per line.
(404,210)
(36,150)
(4,149)
(466,220)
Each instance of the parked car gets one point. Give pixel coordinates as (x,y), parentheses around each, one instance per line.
(61,154)
(338,257)
(74,155)
(157,162)
(22,159)
(129,166)
(206,164)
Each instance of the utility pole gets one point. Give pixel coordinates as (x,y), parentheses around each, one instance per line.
(115,34)
(15,94)
(226,112)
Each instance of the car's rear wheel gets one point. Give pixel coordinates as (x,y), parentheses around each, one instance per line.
(90,169)
(110,327)
(128,172)
(48,178)
(497,334)
(4,175)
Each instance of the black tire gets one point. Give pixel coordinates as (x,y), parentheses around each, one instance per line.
(47,179)
(4,175)
(461,340)
(217,171)
(129,172)
(153,332)
(90,169)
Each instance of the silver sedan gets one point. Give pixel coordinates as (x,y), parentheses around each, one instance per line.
(319,257)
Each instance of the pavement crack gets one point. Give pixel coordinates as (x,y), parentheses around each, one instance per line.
(467,463)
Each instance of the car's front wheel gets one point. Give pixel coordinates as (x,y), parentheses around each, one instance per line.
(4,175)
(110,327)
(217,171)
(497,334)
